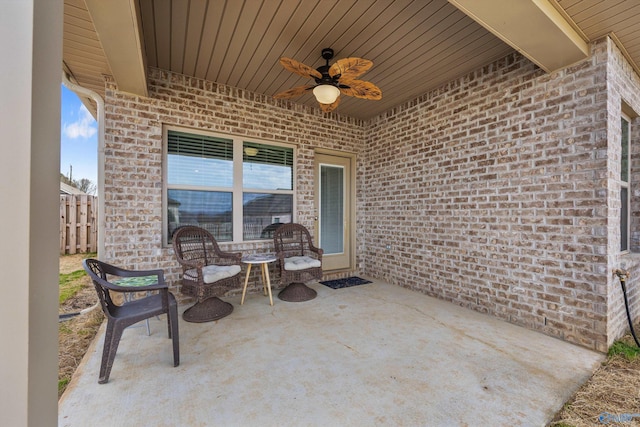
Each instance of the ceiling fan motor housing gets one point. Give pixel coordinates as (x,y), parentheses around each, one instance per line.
(326,79)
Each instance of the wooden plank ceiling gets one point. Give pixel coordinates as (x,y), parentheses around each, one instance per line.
(415,45)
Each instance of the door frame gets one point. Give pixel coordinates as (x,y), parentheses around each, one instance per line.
(350,202)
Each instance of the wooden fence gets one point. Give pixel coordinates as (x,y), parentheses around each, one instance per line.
(78,223)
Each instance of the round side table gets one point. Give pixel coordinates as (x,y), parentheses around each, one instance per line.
(263,260)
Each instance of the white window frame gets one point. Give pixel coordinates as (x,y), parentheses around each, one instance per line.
(237,189)
(626,185)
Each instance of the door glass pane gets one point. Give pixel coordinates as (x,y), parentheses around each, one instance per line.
(624,219)
(331,209)
(624,167)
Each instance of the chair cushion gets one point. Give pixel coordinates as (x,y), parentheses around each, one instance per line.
(213,273)
(301,263)
(136,281)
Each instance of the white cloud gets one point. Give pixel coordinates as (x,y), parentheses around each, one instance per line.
(84,127)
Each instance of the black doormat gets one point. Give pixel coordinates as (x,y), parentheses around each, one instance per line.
(345,283)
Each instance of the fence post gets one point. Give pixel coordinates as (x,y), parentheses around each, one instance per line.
(83,243)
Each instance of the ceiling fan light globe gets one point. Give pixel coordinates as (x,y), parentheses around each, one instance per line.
(326,94)
(251,151)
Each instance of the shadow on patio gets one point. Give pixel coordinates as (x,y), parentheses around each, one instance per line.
(374,354)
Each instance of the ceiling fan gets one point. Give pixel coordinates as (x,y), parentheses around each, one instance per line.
(331,81)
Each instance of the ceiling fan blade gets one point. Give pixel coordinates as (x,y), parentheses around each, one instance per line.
(360,89)
(296,91)
(330,107)
(350,68)
(299,68)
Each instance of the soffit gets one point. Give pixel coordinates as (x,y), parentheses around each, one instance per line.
(84,59)
(545,36)
(117,24)
(596,18)
(416,45)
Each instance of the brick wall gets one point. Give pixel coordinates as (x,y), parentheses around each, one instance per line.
(623,94)
(491,193)
(133,154)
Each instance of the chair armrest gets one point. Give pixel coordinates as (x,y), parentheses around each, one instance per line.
(280,256)
(125,274)
(319,251)
(142,273)
(236,257)
(187,264)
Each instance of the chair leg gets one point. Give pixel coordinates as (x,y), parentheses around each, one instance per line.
(105,368)
(172,315)
(169,322)
(106,348)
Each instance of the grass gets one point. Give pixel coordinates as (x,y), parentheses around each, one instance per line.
(76,333)
(622,348)
(75,336)
(613,389)
(70,284)
(62,384)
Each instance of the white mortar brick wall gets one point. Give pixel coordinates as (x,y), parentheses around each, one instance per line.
(133,153)
(623,87)
(495,191)
(491,193)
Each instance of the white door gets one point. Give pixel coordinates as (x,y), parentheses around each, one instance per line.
(334,210)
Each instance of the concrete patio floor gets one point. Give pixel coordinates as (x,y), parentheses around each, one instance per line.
(367,355)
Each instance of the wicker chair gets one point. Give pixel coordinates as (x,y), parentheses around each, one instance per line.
(133,311)
(298,260)
(207,272)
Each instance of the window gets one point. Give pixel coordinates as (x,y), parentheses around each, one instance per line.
(624,184)
(231,187)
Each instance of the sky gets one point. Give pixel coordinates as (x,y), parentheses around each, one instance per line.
(78,139)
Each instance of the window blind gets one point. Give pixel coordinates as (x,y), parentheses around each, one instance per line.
(185,144)
(267,154)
